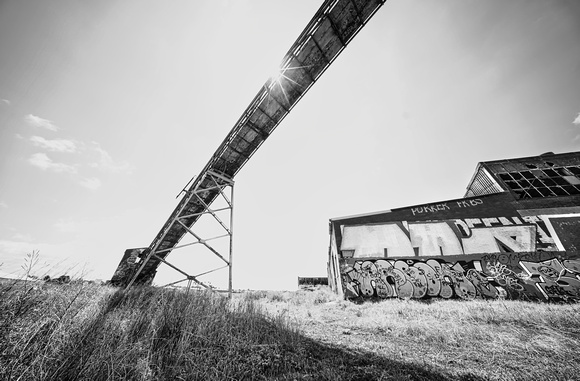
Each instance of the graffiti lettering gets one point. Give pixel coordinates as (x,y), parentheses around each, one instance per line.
(543,238)
(480,277)
(495,240)
(489,257)
(434,239)
(449,237)
(470,223)
(553,279)
(505,277)
(469,203)
(430,208)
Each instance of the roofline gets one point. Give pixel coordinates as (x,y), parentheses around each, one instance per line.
(359,215)
(546,154)
(336,219)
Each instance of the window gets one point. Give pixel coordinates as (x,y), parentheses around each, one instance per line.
(550,182)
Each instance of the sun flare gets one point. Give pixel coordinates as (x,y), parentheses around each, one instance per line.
(276,75)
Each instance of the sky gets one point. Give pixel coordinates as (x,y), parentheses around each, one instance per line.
(108,108)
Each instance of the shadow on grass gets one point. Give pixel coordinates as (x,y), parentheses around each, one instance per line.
(335,363)
(156,334)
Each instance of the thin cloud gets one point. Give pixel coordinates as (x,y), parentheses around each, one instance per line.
(577,120)
(106,163)
(22,237)
(55,145)
(66,226)
(91,183)
(15,249)
(3,204)
(42,161)
(37,121)
(6,101)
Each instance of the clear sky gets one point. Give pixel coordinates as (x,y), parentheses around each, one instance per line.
(108,108)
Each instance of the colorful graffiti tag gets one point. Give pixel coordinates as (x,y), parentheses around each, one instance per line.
(530,276)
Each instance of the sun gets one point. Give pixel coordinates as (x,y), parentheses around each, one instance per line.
(275,76)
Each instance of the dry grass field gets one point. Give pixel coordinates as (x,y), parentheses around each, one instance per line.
(450,339)
(82,331)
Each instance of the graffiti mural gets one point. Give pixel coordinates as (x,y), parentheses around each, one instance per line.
(547,276)
(470,248)
(448,237)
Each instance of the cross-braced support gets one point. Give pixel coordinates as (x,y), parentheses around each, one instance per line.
(185,221)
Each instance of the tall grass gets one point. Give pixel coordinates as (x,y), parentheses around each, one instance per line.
(87,332)
(83,331)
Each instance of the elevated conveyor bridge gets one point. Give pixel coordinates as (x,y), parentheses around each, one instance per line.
(331,29)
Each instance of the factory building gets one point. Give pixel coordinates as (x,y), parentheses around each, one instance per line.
(515,234)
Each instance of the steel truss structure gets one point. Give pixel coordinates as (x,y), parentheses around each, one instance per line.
(327,34)
(211,183)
